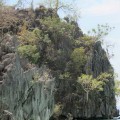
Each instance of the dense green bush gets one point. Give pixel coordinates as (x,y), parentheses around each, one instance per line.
(79,58)
(90,84)
(117,88)
(28,44)
(86,41)
(30,52)
(57,29)
(29,37)
(37,33)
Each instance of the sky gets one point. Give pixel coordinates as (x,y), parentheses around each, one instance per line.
(93,12)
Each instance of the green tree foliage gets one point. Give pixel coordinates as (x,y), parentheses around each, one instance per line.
(28,38)
(117,87)
(28,44)
(57,110)
(57,29)
(100,32)
(40,36)
(104,77)
(30,52)
(79,58)
(60,34)
(86,41)
(65,75)
(55,38)
(37,33)
(89,83)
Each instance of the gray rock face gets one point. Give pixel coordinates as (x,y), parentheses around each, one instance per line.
(24,95)
(105,103)
(1,66)
(100,104)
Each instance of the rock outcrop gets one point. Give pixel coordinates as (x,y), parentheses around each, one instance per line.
(100,104)
(24,95)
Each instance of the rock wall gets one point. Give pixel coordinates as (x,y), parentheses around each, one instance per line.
(24,95)
(100,104)
(103,104)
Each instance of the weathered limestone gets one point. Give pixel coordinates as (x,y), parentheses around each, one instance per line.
(25,97)
(100,104)
(24,94)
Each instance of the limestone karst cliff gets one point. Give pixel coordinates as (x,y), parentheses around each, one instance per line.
(41,58)
(24,94)
(100,104)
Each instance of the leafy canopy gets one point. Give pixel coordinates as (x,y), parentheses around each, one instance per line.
(57,28)
(100,32)
(30,52)
(117,87)
(90,84)
(79,58)
(29,37)
(28,44)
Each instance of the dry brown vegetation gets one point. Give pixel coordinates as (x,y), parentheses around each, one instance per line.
(8,17)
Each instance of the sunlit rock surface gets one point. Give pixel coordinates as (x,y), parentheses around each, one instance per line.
(24,94)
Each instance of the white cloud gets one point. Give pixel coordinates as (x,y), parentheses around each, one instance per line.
(106,7)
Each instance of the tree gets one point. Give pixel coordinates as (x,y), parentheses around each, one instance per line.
(55,4)
(89,84)
(104,77)
(27,37)
(79,58)
(65,6)
(57,110)
(28,44)
(117,87)
(100,32)
(30,52)
(57,28)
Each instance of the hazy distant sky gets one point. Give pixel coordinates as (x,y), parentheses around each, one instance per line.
(95,12)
